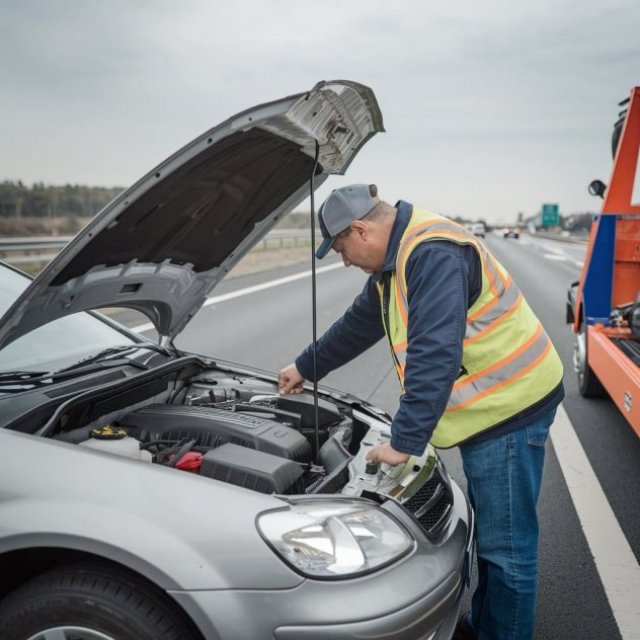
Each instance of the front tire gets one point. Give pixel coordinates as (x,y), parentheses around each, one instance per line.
(588,383)
(90,602)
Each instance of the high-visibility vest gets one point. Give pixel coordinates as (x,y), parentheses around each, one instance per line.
(508,361)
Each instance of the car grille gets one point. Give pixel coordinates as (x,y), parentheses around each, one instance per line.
(431,504)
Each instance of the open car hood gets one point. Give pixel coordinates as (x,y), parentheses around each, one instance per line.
(162,245)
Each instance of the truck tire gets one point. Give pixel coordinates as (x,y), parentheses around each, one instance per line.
(91,602)
(588,383)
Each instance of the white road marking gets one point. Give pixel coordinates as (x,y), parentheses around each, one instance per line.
(555,256)
(147,326)
(617,566)
(578,263)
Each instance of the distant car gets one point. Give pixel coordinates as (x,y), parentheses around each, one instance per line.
(511,232)
(154,494)
(478,229)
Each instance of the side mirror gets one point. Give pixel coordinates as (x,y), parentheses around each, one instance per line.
(597,188)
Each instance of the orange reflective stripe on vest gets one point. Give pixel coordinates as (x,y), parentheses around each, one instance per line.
(515,364)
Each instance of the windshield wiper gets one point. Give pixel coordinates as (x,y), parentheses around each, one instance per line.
(105,354)
(21,380)
(20,375)
(101,360)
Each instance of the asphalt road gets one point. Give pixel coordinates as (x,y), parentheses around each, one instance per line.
(267,328)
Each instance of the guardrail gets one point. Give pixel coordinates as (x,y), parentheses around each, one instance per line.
(581,238)
(41,249)
(44,248)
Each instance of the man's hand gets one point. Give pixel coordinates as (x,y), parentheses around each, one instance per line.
(386,453)
(290,380)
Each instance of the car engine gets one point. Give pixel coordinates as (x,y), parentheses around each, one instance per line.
(237,429)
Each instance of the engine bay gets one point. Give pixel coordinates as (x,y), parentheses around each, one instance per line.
(235,428)
(240,434)
(232,428)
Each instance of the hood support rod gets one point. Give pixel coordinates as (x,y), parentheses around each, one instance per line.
(313,301)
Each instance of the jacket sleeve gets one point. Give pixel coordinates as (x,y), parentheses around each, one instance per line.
(440,276)
(358,329)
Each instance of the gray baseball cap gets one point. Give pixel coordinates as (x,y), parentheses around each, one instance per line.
(341,208)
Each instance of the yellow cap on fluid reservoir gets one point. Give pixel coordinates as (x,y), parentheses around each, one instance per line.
(109,432)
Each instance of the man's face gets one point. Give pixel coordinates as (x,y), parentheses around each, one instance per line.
(357,247)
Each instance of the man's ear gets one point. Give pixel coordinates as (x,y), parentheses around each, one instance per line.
(360,227)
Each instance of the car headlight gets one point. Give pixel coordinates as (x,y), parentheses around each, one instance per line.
(334,538)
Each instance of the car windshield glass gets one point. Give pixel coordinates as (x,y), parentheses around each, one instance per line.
(55,345)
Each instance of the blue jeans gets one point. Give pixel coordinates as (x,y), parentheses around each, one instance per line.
(503,479)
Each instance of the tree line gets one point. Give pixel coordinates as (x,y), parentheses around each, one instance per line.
(18,200)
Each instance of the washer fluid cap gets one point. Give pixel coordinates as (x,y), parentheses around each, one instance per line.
(109,433)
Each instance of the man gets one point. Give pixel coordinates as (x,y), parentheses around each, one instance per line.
(476,370)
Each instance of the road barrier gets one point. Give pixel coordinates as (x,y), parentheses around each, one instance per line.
(564,236)
(42,249)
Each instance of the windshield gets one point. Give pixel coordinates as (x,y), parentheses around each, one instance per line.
(57,344)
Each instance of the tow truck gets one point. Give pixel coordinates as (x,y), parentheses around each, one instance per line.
(603,307)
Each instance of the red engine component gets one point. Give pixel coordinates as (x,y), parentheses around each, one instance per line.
(190,461)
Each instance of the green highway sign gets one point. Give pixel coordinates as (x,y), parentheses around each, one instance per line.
(549,216)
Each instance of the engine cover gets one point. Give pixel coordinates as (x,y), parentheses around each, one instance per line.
(212,427)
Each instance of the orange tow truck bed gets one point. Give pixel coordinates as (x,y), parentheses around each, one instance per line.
(604,305)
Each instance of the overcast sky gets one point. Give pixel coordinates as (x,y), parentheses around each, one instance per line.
(490,108)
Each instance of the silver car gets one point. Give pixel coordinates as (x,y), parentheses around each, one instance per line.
(152,494)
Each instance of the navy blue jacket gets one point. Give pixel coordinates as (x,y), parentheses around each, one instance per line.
(443,280)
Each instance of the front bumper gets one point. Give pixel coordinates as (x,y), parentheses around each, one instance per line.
(417,597)
(432,617)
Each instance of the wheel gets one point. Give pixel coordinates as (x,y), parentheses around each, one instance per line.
(588,383)
(90,602)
